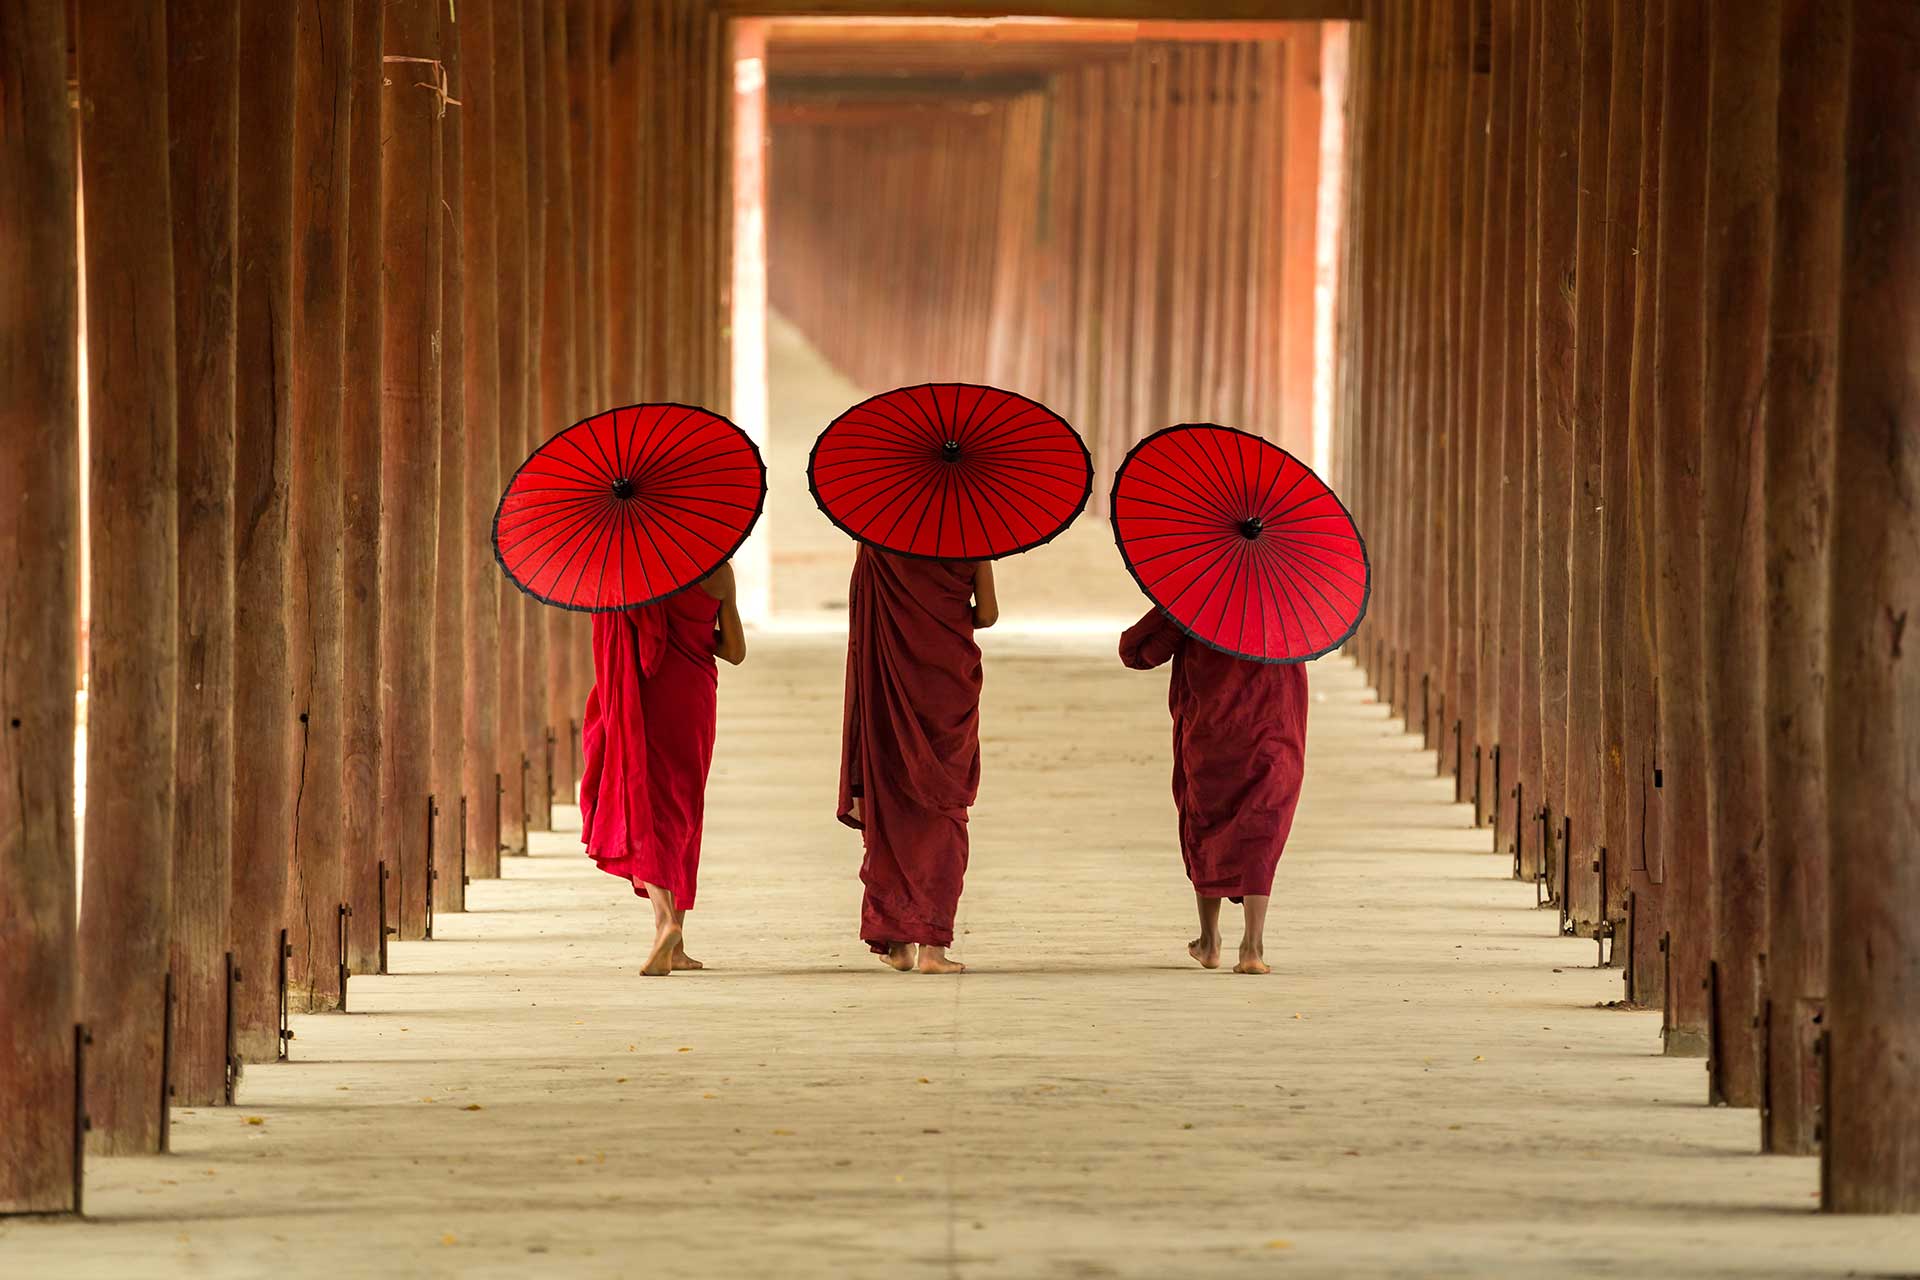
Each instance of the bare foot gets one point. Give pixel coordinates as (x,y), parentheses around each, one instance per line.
(899,955)
(681,960)
(1251,962)
(1205,950)
(934,960)
(660,960)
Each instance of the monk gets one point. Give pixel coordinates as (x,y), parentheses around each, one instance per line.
(1239,747)
(648,739)
(910,746)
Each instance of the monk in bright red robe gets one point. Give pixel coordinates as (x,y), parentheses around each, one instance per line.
(1239,748)
(648,739)
(910,745)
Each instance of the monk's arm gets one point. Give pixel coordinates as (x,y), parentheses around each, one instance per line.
(1149,642)
(730,637)
(986,605)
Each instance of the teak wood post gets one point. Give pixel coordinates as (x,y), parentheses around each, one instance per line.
(1646,858)
(131,695)
(530,771)
(480,320)
(1618,612)
(450,577)
(411,236)
(1557,140)
(1741,182)
(1469,408)
(1529,773)
(1516,590)
(322,89)
(39,603)
(1588,904)
(1679,375)
(203,38)
(559,381)
(1802,387)
(510,203)
(360,453)
(1872,1154)
(263,712)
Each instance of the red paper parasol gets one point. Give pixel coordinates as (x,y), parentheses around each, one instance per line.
(628,507)
(950,471)
(1240,544)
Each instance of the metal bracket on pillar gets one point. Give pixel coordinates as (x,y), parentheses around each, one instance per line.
(1440,756)
(550,741)
(1426,708)
(82,1122)
(1459,769)
(342,914)
(526,810)
(1631,991)
(1666,983)
(1494,817)
(286,1012)
(1823,1063)
(1542,890)
(433,874)
(1406,682)
(465,879)
(234,1065)
(499,814)
(1603,924)
(166,1064)
(1478,816)
(1566,875)
(386,930)
(1519,829)
(1716,1096)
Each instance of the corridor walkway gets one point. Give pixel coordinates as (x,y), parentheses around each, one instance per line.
(1423,1087)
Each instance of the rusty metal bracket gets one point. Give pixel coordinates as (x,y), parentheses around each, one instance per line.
(465,880)
(526,810)
(433,873)
(234,1065)
(1519,828)
(1426,710)
(499,814)
(82,1122)
(1494,818)
(1459,770)
(342,914)
(386,930)
(286,1013)
(166,1063)
(1565,893)
(550,779)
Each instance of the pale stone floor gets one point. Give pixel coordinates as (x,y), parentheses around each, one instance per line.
(1425,1085)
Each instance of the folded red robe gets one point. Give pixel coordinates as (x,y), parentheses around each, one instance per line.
(648,740)
(1239,748)
(910,746)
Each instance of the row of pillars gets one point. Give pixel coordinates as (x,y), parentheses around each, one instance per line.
(1630,411)
(329,272)
(1133,245)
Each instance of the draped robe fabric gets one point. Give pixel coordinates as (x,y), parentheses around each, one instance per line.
(648,739)
(1239,748)
(910,746)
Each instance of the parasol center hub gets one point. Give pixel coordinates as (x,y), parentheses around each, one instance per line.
(950,451)
(623,488)
(1251,527)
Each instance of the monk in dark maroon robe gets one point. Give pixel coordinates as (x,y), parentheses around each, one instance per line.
(1239,747)
(648,740)
(910,746)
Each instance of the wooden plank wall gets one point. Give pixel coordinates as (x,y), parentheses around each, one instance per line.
(1627,409)
(300,431)
(1132,246)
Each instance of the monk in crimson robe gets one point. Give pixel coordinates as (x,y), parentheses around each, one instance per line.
(648,740)
(910,745)
(1239,747)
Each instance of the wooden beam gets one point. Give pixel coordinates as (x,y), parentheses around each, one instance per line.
(410,447)
(203,38)
(322,92)
(132,633)
(1212,11)
(360,452)
(39,601)
(786,35)
(450,573)
(1873,709)
(510,205)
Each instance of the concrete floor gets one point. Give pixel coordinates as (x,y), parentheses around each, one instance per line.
(1426,1086)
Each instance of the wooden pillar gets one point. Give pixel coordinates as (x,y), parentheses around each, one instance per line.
(1618,611)
(534,622)
(1679,377)
(1744,90)
(559,378)
(1492,385)
(360,465)
(510,193)
(1299,189)
(410,242)
(1873,713)
(1802,388)
(39,601)
(450,578)
(202,39)
(480,321)
(132,634)
(1517,836)
(322,89)
(1585,896)
(626,160)
(1646,855)
(1469,408)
